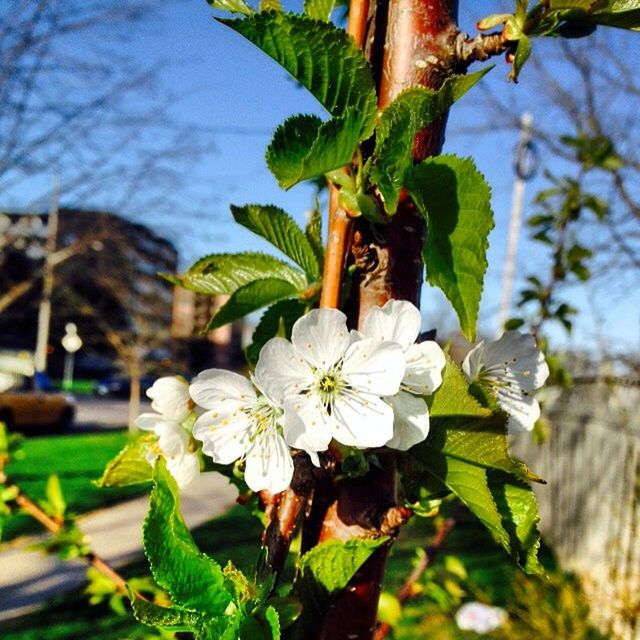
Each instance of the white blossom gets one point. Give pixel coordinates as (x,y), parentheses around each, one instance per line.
(481,618)
(169,400)
(330,385)
(173,445)
(512,368)
(171,404)
(399,321)
(241,424)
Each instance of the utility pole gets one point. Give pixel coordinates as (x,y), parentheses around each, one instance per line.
(525,168)
(44,313)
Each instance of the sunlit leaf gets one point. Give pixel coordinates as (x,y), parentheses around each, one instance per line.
(455,199)
(130,466)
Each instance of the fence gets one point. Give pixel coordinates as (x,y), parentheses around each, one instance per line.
(590,508)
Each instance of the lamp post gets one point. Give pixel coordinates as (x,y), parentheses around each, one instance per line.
(71,342)
(525,167)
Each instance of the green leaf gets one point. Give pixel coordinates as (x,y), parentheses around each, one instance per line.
(249,298)
(325,60)
(55,500)
(232,6)
(481,442)
(270,5)
(523,51)
(193,580)
(319,9)
(273,620)
(399,123)
(130,466)
(168,619)
(471,458)
(517,505)
(452,397)
(313,231)
(281,315)
(277,227)
(324,572)
(455,199)
(624,14)
(224,273)
(304,146)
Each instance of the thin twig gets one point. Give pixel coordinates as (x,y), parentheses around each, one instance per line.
(54,526)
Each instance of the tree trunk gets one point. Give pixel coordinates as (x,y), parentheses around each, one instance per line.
(134,391)
(412,44)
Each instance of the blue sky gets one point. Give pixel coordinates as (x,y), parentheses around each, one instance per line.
(235,96)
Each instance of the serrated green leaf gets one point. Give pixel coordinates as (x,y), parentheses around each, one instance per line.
(193,580)
(320,56)
(273,620)
(281,314)
(55,499)
(517,504)
(471,458)
(130,466)
(305,146)
(452,397)
(455,199)
(399,123)
(319,9)
(278,227)
(232,6)
(250,298)
(270,5)
(324,572)
(168,619)
(224,273)
(313,231)
(325,60)
(624,14)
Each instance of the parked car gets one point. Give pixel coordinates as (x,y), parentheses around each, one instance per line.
(24,409)
(118,386)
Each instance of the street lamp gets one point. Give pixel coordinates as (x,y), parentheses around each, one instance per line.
(71,342)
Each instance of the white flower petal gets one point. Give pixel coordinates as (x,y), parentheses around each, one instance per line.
(362,421)
(170,397)
(398,321)
(212,386)
(321,337)
(410,421)
(473,362)
(425,362)
(481,618)
(307,425)
(224,435)
(184,468)
(520,356)
(523,410)
(374,367)
(269,465)
(281,370)
(148,421)
(173,440)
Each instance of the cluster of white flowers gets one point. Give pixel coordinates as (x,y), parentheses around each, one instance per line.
(362,389)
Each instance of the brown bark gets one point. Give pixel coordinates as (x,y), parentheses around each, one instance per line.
(419,48)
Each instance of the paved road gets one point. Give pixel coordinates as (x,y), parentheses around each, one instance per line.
(102,413)
(29,578)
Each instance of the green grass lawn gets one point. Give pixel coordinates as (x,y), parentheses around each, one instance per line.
(76,460)
(469,552)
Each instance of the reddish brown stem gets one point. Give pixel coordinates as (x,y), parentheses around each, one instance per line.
(54,527)
(419,48)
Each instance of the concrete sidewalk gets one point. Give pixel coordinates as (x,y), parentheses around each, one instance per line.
(29,578)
